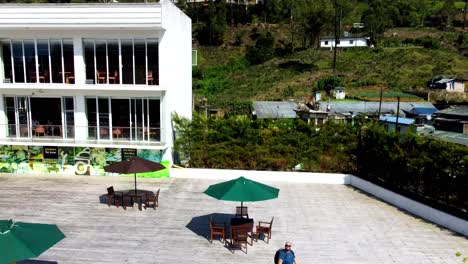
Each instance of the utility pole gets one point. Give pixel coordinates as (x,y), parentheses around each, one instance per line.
(464,13)
(397,114)
(336,41)
(380,101)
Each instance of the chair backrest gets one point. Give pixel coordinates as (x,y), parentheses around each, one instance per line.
(157,194)
(242,211)
(240,234)
(110,190)
(40,129)
(212,225)
(271,223)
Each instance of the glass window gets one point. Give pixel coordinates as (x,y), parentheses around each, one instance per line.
(43,60)
(351,41)
(154,120)
(127,61)
(91,115)
(89,61)
(56,60)
(103,108)
(69,117)
(101,61)
(30,59)
(140,61)
(6,53)
(10,114)
(121,118)
(18,61)
(153,62)
(113,61)
(68,62)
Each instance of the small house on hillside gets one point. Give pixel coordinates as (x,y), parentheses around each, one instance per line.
(449,84)
(338,93)
(403,125)
(344,42)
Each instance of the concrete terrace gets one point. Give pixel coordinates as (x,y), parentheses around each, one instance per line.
(326,223)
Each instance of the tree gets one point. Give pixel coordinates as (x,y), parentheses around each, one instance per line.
(312,17)
(444,16)
(211,31)
(376,19)
(263,50)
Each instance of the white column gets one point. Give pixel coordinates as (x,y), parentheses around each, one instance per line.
(81,122)
(2,69)
(80,69)
(3,118)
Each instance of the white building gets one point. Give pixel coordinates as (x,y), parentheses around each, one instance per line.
(344,42)
(83,85)
(450,84)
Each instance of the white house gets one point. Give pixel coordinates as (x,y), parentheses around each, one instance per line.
(344,42)
(338,93)
(84,85)
(449,84)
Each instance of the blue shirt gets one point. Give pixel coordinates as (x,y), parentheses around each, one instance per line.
(287,256)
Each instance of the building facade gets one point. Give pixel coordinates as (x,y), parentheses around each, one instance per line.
(84,85)
(344,42)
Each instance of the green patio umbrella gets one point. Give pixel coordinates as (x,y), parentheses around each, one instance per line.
(20,241)
(242,190)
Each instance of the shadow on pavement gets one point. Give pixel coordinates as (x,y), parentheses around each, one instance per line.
(200,224)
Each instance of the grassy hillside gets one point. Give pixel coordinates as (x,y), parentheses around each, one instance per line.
(223,74)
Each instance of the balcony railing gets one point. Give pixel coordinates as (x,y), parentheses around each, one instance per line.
(124,134)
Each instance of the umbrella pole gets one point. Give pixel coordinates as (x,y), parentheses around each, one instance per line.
(242,207)
(135,185)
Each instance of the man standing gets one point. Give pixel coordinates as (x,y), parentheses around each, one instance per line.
(286,255)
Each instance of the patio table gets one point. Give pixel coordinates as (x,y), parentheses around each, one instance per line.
(137,196)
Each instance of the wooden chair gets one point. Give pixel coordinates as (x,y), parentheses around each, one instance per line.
(116,132)
(152,200)
(44,76)
(115,79)
(32,76)
(39,131)
(101,76)
(150,77)
(242,211)
(117,197)
(265,229)
(217,229)
(70,78)
(240,236)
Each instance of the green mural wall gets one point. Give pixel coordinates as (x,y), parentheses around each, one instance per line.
(72,160)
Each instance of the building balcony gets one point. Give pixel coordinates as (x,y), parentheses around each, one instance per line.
(103,136)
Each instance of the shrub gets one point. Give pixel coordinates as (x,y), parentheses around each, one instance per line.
(263,49)
(426,42)
(328,83)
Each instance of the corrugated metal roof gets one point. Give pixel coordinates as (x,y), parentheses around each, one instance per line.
(372,107)
(423,111)
(444,80)
(456,110)
(271,109)
(401,120)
